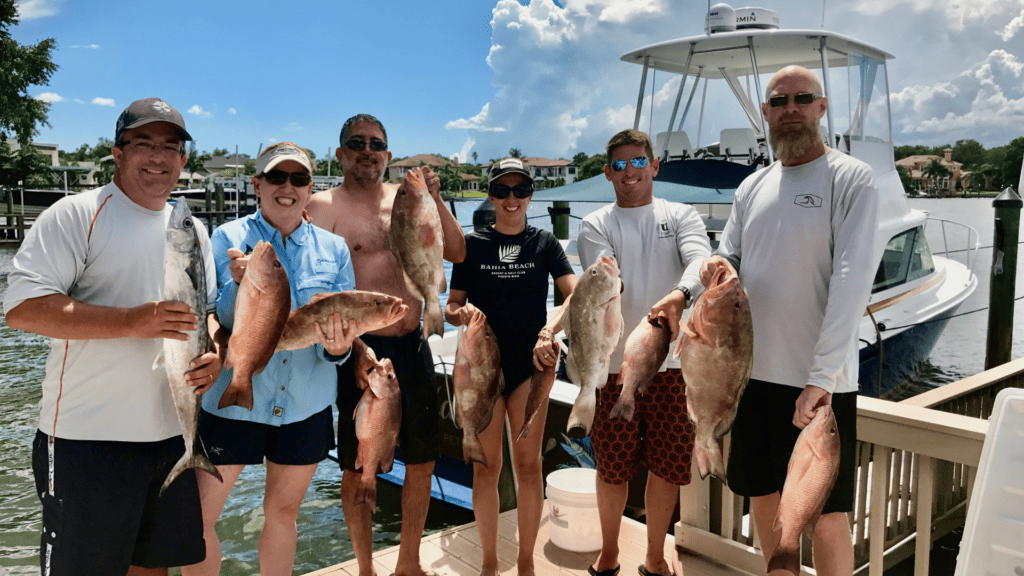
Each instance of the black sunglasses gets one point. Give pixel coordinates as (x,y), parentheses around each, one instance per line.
(376,144)
(801,99)
(620,165)
(278,177)
(501,191)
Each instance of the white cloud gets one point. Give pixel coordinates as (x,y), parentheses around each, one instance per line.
(272,140)
(197,110)
(232,111)
(478,122)
(957,13)
(85,47)
(79,100)
(30,9)
(293,127)
(467,150)
(103,101)
(49,97)
(1011,28)
(985,102)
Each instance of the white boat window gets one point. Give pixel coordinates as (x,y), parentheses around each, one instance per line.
(869,99)
(906,258)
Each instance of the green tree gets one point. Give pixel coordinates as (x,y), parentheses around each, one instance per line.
(21,67)
(451,181)
(220,151)
(905,179)
(969,152)
(26,165)
(936,171)
(474,157)
(515,152)
(249,167)
(579,158)
(196,160)
(592,166)
(988,173)
(1010,166)
(322,165)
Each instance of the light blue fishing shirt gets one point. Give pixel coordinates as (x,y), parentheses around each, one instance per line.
(296,384)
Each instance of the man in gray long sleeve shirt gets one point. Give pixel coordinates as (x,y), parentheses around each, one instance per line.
(802,237)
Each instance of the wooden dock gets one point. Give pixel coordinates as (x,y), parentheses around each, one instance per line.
(457,552)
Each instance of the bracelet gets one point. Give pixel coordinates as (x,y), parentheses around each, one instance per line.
(546,334)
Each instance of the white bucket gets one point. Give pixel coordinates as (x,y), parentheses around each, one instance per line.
(575,524)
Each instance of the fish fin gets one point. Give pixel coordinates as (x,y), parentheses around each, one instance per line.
(708,454)
(433,320)
(388,463)
(159,360)
(195,460)
(570,367)
(472,450)
(237,395)
(366,492)
(318,297)
(785,557)
(443,286)
(582,412)
(412,287)
(624,407)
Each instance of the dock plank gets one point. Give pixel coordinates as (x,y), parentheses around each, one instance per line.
(457,552)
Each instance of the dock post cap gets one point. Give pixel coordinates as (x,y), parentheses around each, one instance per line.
(1008,199)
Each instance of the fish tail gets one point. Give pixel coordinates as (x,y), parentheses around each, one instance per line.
(237,394)
(472,450)
(582,414)
(624,407)
(193,460)
(433,321)
(708,454)
(366,492)
(786,557)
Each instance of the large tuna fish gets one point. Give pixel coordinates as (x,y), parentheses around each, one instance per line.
(371,311)
(378,416)
(478,382)
(540,386)
(185,281)
(417,242)
(261,310)
(645,352)
(594,330)
(812,472)
(716,352)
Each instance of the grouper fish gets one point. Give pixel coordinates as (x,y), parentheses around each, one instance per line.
(417,241)
(478,382)
(370,310)
(378,416)
(540,386)
(645,352)
(185,281)
(715,349)
(261,310)
(812,472)
(594,329)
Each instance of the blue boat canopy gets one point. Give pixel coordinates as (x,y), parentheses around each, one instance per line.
(599,189)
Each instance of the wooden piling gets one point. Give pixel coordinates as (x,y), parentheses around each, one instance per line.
(560,227)
(1003,278)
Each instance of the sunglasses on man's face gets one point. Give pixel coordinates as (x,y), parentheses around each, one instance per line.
(358,144)
(278,177)
(501,191)
(801,99)
(620,165)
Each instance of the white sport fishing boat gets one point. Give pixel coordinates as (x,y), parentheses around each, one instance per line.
(916,290)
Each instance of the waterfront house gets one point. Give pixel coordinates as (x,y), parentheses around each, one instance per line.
(922,180)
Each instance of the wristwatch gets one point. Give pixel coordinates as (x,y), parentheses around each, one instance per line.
(686,294)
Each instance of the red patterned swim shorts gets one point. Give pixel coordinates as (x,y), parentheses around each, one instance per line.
(660,436)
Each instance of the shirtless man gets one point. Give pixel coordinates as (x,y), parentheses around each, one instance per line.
(360,211)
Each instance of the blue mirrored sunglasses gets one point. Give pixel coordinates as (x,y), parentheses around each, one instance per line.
(620,165)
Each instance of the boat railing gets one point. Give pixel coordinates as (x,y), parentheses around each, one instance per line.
(957,231)
(917,462)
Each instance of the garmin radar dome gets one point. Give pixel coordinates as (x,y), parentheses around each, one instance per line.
(725,18)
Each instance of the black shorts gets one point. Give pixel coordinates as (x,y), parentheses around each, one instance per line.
(516,366)
(106,513)
(419,437)
(230,441)
(763,437)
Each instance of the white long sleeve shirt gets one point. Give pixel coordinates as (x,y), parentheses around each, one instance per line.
(803,239)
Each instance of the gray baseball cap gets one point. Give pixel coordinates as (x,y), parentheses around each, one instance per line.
(143,112)
(510,166)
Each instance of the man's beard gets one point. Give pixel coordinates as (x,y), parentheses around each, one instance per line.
(364,175)
(791,143)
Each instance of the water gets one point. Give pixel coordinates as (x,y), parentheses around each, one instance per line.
(323,537)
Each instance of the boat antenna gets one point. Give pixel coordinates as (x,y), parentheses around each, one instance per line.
(650,121)
(822,13)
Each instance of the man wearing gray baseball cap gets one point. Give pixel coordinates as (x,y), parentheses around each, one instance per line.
(89,276)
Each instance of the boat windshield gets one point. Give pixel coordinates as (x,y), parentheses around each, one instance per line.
(906,258)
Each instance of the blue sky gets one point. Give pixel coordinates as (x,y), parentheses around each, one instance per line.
(460,76)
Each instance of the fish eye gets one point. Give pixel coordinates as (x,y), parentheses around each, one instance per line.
(391,376)
(187,223)
(593,272)
(277,264)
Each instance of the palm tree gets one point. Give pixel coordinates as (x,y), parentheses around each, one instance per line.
(935,171)
(515,152)
(474,157)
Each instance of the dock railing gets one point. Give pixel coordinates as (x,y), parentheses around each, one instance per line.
(917,461)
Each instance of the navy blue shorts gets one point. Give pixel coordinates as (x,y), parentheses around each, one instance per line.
(763,437)
(106,512)
(420,435)
(242,442)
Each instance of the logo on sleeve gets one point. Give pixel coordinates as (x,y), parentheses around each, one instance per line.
(663,230)
(808,201)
